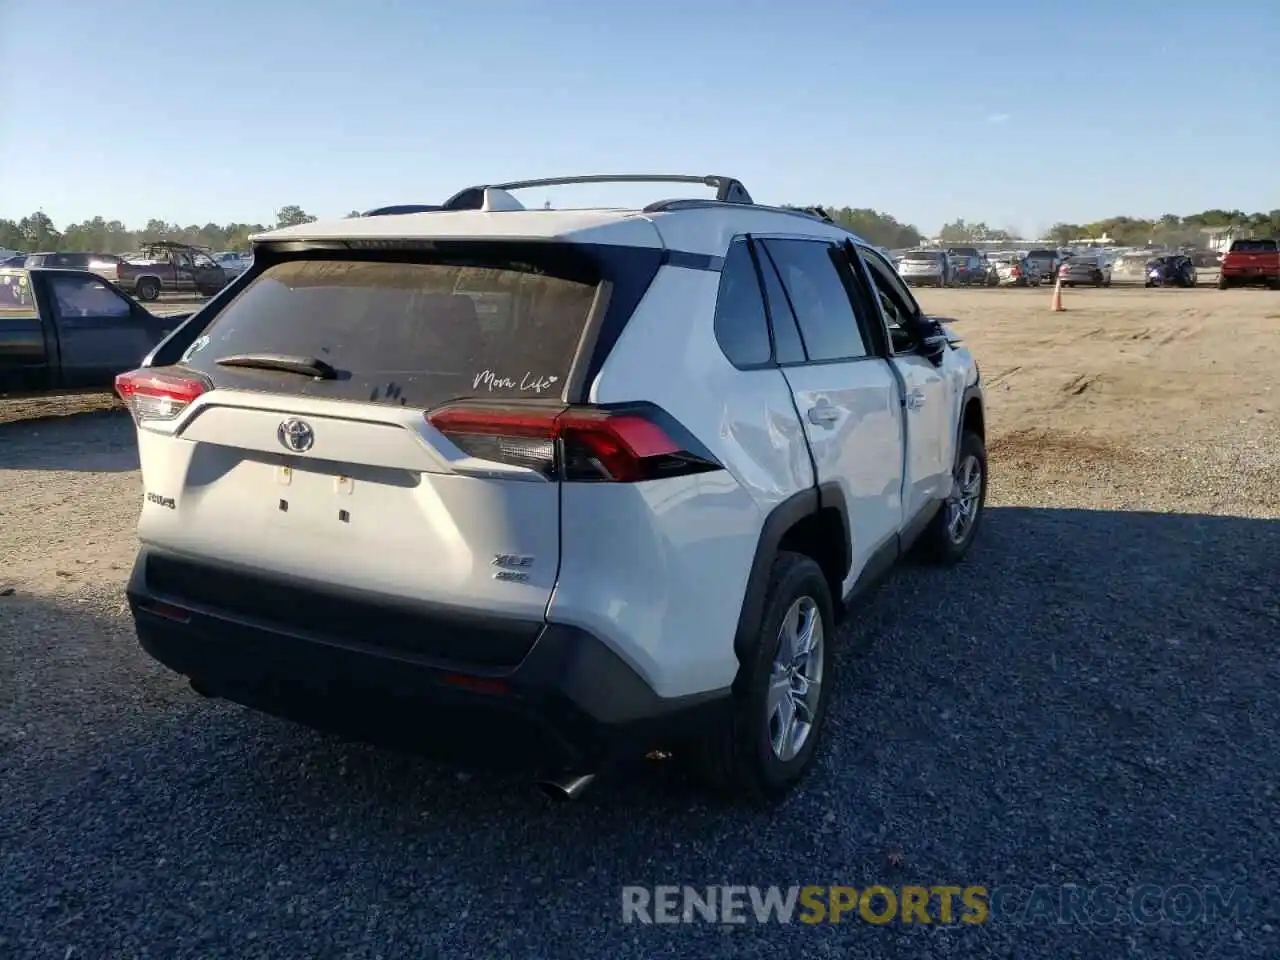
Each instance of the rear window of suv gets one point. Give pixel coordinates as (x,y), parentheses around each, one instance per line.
(1253,246)
(404,333)
(924,256)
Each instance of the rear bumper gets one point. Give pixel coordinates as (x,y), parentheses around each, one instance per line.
(1250,273)
(570,703)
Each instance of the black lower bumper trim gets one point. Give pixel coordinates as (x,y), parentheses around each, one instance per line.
(570,704)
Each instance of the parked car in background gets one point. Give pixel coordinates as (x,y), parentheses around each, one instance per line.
(1047,260)
(105,265)
(69,330)
(1089,269)
(1131,267)
(168,267)
(16,260)
(969,268)
(233,262)
(1014,270)
(1249,262)
(929,267)
(1171,270)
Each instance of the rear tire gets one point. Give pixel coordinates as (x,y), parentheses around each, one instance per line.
(951,532)
(752,756)
(147,289)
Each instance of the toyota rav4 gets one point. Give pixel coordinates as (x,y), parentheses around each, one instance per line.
(563,486)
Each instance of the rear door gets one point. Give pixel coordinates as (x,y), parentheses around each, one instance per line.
(341,478)
(183,270)
(100,332)
(846,395)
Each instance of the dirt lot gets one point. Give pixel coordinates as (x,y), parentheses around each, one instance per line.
(1093,698)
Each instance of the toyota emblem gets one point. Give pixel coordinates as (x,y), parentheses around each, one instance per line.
(296,435)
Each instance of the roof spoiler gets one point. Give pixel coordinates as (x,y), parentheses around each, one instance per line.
(479,197)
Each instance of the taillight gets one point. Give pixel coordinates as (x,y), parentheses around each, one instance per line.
(587,444)
(1015,272)
(158,395)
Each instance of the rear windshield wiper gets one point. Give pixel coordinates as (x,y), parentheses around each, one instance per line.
(308,366)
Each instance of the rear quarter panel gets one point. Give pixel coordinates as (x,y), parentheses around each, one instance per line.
(659,569)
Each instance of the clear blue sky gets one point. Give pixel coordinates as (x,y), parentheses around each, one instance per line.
(925,109)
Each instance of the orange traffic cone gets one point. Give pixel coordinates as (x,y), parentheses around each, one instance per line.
(1055,305)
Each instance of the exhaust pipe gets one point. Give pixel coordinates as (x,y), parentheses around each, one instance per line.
(568,787)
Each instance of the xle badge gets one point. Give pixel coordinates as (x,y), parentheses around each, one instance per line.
(162,501)
(513,567)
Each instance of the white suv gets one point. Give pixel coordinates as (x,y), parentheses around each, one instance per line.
(557,485)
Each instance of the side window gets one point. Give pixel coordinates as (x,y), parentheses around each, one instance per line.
(16,300)
(896,302)
(741,327)
(87,296)
(819,299)
(787,345)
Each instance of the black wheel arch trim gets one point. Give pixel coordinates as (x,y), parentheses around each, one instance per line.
(781,519)
(971,393)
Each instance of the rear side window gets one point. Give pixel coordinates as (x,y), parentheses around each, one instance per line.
(1253,246)
(69,260)
(404,333)
(787,345)
(741,327)
(818,298)
(16,299)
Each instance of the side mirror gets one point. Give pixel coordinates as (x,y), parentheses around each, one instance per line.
(933,339)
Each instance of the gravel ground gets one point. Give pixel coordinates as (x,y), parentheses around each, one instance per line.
(1091,699)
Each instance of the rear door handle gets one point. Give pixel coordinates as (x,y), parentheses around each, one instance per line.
(823,416)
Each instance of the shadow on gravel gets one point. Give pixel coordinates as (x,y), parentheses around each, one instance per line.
(1092,698)
(101,441)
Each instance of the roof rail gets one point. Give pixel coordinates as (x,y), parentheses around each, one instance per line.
(728,189)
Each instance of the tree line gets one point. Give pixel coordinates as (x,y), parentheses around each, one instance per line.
(37,232)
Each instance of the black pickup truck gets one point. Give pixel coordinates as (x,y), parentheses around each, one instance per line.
(67,330)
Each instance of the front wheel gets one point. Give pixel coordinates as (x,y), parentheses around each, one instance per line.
(767,743)
(951,532)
